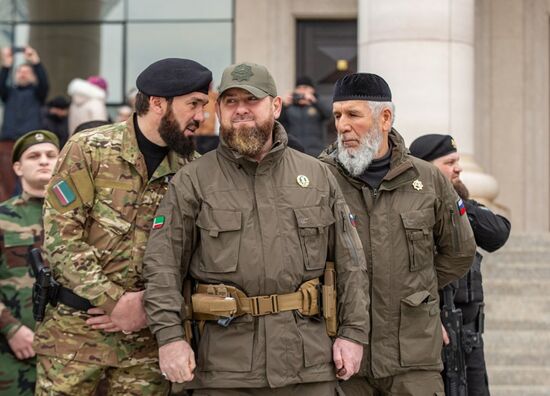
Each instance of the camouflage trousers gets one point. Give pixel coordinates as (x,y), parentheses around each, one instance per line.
(57,376)
(17,377)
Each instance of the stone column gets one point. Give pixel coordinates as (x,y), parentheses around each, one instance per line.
(424,49)
(66,50)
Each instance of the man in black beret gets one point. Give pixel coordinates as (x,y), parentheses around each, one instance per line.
(491,232)
(304,116)
(403,211)
(98,211)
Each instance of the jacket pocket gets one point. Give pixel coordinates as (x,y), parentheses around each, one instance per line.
(316,342)
(313,224)
(420,337)
(418,226)
(227,348)
(220,239)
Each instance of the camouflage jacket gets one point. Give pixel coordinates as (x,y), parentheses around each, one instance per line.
(20,230)
(98,212)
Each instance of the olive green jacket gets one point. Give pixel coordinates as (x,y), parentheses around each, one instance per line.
(413,213)
(227,219)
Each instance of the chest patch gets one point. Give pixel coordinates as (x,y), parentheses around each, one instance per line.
(158,222)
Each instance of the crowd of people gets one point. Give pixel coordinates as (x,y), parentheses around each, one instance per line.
(274,264)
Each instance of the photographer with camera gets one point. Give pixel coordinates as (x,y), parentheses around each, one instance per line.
(304,116)
(23,101)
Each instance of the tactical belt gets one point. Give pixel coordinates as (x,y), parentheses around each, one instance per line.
(215,302)
(61,294)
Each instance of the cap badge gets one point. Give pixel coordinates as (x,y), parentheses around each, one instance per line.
(453,143)
(39,137)
(242,72)
(302,180)
(417,185)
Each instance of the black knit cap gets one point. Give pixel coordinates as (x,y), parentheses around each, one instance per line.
(432,146)
(362,86)
(174,77)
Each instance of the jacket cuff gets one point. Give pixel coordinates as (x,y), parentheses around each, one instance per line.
(169,334)
(108,300)
(354,335)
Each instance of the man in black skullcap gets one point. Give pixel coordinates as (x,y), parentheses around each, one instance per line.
(404,210)
(491,232)
(98,211)
(304,116)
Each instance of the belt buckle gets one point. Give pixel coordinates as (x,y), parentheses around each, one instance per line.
(264,305)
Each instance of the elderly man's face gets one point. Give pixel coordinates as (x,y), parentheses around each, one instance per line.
(361,135)
(449,165)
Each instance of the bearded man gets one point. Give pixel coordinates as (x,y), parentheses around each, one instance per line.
(98,212)
(491,232)
(253,225)
(404,210)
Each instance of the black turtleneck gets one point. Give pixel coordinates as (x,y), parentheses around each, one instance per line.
(377,169)
(152,153)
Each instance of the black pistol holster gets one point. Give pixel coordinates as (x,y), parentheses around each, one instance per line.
(47,290)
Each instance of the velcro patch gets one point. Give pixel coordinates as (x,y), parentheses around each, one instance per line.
(460,206)
(353,219)
(64,193)
(158,222)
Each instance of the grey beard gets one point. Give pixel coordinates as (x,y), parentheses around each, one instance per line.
(357,162)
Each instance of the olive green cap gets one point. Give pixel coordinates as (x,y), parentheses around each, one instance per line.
(30,139)
(252,77)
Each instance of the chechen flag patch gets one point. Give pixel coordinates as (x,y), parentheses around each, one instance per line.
(158,222)
(63,192)
(460,206)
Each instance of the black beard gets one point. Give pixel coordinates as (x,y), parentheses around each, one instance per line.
(170,131)
(247,141)
(461,189)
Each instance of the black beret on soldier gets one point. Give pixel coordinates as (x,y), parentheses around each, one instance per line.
(362,86)
(30,139)
(174,77)
(432,146)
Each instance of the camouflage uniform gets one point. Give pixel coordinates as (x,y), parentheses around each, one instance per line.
(98,211)
(20,230)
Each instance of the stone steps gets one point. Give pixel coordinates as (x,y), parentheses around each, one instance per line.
(516,281)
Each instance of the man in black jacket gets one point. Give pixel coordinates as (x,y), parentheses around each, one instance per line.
(23,101)
(491,232)
(304,116)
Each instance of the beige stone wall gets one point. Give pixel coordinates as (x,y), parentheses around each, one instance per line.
(265,31)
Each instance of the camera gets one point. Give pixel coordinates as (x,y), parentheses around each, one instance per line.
(296,97)
(17,49)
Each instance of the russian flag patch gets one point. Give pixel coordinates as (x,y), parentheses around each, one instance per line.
(63,193)
(460,206)
(158,222)
(353,219)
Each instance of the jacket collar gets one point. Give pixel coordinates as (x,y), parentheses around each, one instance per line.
(401,170)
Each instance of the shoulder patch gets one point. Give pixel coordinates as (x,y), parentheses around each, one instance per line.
(460,206)
(158,222)
(64,193)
